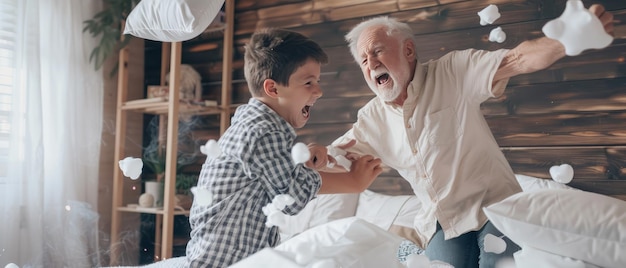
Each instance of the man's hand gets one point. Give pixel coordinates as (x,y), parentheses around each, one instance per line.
(605,17)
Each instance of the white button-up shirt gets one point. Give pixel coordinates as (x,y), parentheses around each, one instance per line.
(440,142)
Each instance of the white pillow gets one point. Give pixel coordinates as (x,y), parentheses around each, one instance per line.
(171,20)
(350,242)
(267,257)
(395,214)
(383,210)
(324,208)
(530,184)
(530,257)
(576,224)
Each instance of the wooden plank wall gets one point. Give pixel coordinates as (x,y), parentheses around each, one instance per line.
(574,112)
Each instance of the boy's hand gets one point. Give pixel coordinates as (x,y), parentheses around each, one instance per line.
(319,157)
(364,170)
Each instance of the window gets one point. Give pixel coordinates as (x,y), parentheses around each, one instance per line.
(8,75)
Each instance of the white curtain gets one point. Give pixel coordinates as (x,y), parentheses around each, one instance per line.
(50,127)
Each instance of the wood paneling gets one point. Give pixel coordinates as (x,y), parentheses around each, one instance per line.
(573,112)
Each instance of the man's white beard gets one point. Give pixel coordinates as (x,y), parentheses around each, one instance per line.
(385,94)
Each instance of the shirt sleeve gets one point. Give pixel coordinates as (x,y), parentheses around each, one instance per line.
(359,133)
(476,70)
(270,161)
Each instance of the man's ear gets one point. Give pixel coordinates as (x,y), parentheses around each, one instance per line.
(409,48)
(269,86)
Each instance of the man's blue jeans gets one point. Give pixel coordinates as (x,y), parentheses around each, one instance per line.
(467,250)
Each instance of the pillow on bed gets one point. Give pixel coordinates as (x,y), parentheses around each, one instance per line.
(530,184)
(350,242)
(395,214)
(171,20)
(576,224)
(532,257)
(324,208)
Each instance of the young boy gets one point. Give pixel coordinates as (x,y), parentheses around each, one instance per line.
(282,69)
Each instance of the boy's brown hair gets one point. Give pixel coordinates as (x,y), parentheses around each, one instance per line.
(276,54)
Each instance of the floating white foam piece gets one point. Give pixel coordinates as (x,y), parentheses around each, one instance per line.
(497,35)
(494,244)
(488,15)
(273,210)
(334,151)
(11,265)
(563,173)
(275,218)
(131,167)
(202,196)
(211,149)
(283,200)
(339,155)
(577,29)
(300,153)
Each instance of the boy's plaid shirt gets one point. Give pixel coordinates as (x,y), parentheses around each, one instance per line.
(255,165)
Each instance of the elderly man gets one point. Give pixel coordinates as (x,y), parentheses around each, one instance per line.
(425,122)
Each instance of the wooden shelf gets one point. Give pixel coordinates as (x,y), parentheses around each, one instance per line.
(169,109)
(158,210)
(160,106)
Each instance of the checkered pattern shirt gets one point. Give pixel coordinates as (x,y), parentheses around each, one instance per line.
(255,165)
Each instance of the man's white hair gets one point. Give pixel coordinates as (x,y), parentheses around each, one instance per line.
(393,28)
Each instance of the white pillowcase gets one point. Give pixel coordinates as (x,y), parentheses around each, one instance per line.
(530,257)
(171,20)
(395,214)
(530,184)
(324,208)
(350,242)
(267,257)
(576,224)
(385,210)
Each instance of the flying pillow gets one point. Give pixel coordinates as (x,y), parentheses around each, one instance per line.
(171,20)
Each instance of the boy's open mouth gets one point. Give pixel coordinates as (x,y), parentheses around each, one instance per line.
(305,111)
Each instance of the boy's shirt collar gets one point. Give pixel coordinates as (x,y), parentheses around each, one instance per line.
(258,107)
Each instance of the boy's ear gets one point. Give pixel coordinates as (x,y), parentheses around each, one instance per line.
(269,86)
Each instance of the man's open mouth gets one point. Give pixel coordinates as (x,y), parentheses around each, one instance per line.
(382,78)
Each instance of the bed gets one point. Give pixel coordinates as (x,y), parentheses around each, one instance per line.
(556,226)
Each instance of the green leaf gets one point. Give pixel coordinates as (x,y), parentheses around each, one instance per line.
(106,24)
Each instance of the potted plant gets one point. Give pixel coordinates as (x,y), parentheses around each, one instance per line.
(155,162)
(184,183)
(106,24)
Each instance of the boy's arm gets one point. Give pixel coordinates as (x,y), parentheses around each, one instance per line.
(361,175)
